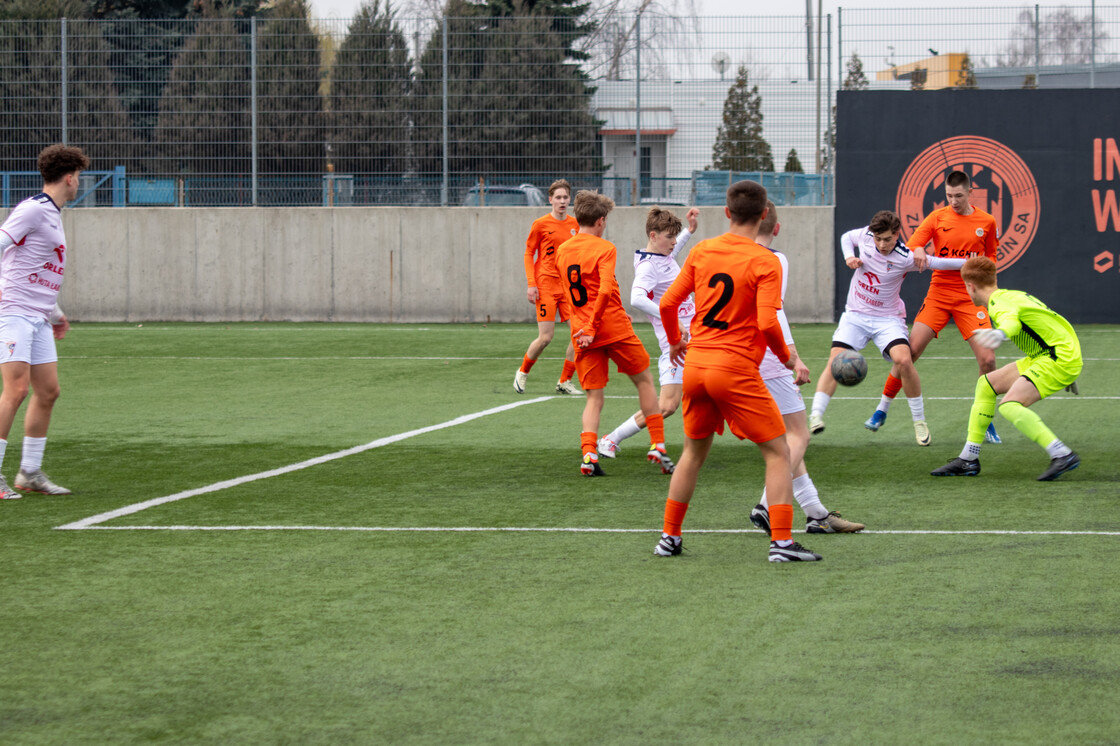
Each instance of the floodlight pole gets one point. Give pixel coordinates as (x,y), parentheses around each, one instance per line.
(637,197)
(253,105)
(443,185)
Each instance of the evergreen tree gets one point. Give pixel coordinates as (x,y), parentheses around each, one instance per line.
(370,82)
(793,163)
(515,107)
(291,125)
(566,18)
(918,79)
(855,80)
(204,114)
(739,143)
(966,76)
(31,87)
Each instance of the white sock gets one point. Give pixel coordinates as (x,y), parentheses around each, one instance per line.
(805,492)
(624,431)
(32,457)
(885,404)
(820,403)
(970,452)
(917,408)
(1057,449)
(3,450)
(763,502)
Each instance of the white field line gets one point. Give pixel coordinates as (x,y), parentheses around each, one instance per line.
(217,486)
(564,530)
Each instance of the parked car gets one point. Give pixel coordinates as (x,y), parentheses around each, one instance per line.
(499,195)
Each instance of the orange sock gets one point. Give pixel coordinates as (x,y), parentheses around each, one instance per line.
(656,425)
(781,522)
(589,442)
(566,374)
(892,387)
(527,364)
(674,517)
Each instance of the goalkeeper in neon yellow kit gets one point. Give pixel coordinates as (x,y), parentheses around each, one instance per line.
(1052,363)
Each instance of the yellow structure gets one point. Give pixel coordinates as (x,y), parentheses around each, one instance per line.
(942,71)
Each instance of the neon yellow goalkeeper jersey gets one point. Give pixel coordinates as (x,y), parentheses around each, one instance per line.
(1032,326)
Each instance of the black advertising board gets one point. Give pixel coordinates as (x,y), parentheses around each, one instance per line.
(1045,163)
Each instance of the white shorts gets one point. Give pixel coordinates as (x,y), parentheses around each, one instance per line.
(27,340)
(669,373)
(857,329)
(786,394)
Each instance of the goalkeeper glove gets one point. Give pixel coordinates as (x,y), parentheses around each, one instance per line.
(990,338)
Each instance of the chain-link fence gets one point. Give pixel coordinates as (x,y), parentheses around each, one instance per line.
(381,110)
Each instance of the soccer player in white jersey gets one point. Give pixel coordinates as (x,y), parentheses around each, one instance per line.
(783,387)
(655,268)
(32,261)
(874,311)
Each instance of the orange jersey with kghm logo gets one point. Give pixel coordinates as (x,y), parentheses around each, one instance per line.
(957,237)
(738,289)
(587,263)
(545,237)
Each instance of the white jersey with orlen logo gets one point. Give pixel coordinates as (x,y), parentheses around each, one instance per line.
(771,366)
(876,286)
(653,274)
(32,265)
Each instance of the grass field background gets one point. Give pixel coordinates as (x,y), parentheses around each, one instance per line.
(284,610)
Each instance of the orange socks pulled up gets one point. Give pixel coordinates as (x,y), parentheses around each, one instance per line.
(781,522)
(527,364)
(892,386)
(674,517)
(656,425)
(589,443)
(568,372)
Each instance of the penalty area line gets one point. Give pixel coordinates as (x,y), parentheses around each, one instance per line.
(92,521)
(575,530)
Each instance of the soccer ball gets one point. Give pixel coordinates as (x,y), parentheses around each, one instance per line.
(848,368)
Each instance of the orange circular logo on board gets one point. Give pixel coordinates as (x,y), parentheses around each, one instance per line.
(1002,185)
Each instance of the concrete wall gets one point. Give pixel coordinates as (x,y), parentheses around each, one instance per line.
(359,264)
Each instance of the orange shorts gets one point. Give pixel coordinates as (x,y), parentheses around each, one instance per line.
(554,300)
(936,313)
(712,396)
(628,354)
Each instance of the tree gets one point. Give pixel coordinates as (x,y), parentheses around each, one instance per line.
(793,163)
(854,79)
(203,126)
(739,143)
(1064,38)
(516,106)
(370,85)
(291,126)
(611,45)
(918,79)
(966,76)
(31,87)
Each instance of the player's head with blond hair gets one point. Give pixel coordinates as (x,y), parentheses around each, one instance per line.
(884,221)
(56,161)
(589,206)
(746,201)
(559,184)
(769,225)
(660,220)
(979,271)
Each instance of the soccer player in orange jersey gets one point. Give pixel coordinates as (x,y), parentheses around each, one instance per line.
(546,292)
(601,330)
(738,289)
(957,231)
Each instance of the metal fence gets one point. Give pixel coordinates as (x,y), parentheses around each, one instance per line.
(381,110)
